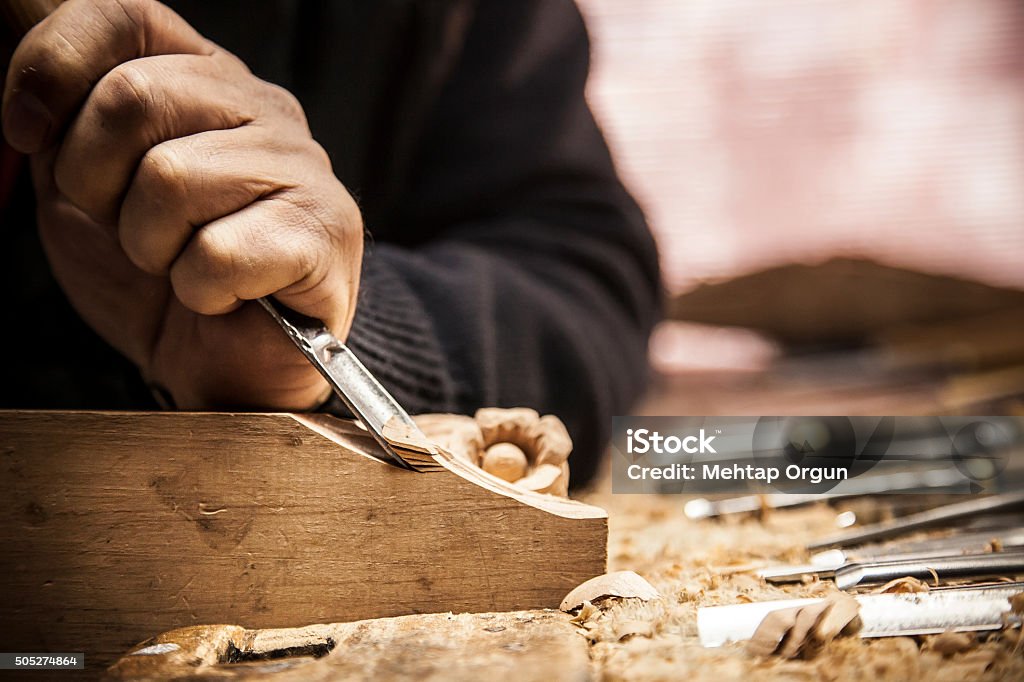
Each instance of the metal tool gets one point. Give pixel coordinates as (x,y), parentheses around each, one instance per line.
(961,609)
(931,480)
(928,568)
(972,542)
(369,402)
(925,519)
(826,564)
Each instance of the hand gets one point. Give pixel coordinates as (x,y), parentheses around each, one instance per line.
(174,187)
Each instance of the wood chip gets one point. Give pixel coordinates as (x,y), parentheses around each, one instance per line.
(620,584)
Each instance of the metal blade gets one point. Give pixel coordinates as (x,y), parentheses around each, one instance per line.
(942,567)
(922,520)
(831,563)
(355,385)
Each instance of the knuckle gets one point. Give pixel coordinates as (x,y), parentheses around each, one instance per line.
(124,97)
(331,225)
(163,175)
(320,154)
(127,17)
(212,258)
(348,220)
(133,241)
(286,103)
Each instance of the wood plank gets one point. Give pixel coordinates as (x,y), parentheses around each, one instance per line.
(117,526)
(525,645)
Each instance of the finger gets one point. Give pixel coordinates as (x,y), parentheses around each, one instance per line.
(135,107)
(185,183)
(64,56)
(281,246)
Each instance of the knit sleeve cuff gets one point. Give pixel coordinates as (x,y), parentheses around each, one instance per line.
(394,337)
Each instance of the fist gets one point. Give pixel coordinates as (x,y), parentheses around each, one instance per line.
(173,188)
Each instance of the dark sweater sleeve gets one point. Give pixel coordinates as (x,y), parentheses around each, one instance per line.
(526,275)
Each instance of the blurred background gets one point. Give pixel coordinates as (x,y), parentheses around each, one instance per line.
(837,189)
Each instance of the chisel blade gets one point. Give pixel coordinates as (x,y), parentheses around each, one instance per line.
(369,402)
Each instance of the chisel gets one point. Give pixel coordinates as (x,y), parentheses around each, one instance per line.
(925,519)
(826,564)
(1008,563)
(961,609)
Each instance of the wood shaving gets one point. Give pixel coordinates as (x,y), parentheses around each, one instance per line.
(506,461)
(459,434)
(515,444)
(772,631)
(543,479)
(804,631)
(587,611)
(550,440)
(500,425)
(620,584)
(400,434)
(907,585)
(807,619)
(843,619)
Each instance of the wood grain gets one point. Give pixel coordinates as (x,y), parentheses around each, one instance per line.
(521,646)
(117,526)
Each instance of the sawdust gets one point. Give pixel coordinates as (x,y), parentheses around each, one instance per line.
(706,563)
(949,643)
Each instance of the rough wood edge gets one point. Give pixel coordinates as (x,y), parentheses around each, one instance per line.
(346,434)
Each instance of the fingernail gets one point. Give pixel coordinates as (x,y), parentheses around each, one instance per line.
(27,122)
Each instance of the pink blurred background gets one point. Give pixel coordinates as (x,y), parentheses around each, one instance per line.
(757,133)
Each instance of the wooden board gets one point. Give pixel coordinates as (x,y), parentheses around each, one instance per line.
(117,526)
(521,646)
